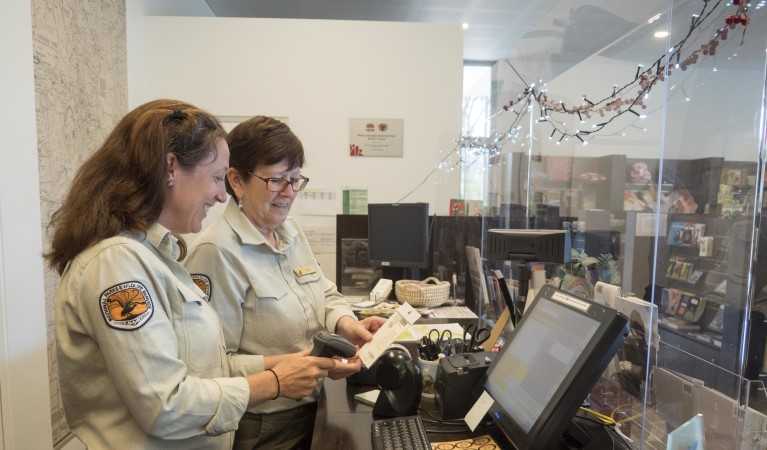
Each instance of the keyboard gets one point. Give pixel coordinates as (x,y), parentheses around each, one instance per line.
(399,433)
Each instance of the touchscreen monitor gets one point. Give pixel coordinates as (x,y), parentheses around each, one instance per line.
(551,362)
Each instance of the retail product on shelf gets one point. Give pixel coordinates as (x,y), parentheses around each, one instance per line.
(685,234)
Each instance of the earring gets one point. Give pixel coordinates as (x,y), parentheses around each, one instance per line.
(239,203)
(170,182)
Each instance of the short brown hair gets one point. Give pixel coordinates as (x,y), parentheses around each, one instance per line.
(262,141)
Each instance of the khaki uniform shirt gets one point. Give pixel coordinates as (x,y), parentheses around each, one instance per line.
(270,300)
(141,357)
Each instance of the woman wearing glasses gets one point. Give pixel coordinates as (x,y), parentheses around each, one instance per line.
(261,276)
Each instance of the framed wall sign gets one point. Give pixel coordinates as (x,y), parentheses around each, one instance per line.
(375,137)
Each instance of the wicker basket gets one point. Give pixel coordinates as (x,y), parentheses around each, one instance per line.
(422,294)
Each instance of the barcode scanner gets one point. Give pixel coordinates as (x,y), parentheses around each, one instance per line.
(328,345)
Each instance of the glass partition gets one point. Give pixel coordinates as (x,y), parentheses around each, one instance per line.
(642,132)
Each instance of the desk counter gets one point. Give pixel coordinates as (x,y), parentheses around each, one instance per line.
(343,423)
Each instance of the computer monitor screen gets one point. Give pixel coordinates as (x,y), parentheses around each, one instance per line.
(553,358)
(398,235)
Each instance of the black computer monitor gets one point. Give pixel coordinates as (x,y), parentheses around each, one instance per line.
(529,245)
(598,242)
(551,362)
(398,235)
(526,246)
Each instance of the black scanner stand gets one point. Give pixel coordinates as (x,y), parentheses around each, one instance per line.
(399,378)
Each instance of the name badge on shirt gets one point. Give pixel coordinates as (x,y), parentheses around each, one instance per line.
(306,270)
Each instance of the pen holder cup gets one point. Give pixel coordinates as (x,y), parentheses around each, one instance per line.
(429,375)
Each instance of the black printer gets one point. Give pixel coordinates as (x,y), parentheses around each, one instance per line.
(457,377)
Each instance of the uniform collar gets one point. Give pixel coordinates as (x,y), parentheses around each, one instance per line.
(247,232)
(161,239)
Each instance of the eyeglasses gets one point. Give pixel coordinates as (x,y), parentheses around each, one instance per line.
(280,184)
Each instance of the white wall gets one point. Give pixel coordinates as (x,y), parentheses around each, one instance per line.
(320,74)
(135,11)
(24,393)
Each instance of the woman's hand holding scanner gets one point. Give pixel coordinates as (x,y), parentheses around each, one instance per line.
(294,377)
(344,368)
(329,345)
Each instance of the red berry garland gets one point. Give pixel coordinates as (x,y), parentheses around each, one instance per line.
(614,105)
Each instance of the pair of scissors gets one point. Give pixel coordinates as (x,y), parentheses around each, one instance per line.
(478,337)
(440,338)
(426,349)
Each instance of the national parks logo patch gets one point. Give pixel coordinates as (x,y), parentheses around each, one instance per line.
(202,282)
(126,306)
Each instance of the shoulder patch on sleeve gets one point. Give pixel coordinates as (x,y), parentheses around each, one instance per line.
(203,282)
(126,306)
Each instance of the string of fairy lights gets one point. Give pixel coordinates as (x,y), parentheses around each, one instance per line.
(601,112)
(604,111)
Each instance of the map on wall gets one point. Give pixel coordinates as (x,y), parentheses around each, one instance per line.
(80,94)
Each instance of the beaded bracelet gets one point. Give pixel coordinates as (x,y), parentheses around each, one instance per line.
(278,383)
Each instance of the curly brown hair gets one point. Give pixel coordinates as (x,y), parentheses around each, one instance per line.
(121,187)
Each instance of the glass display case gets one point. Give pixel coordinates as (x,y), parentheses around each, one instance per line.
(646,141)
